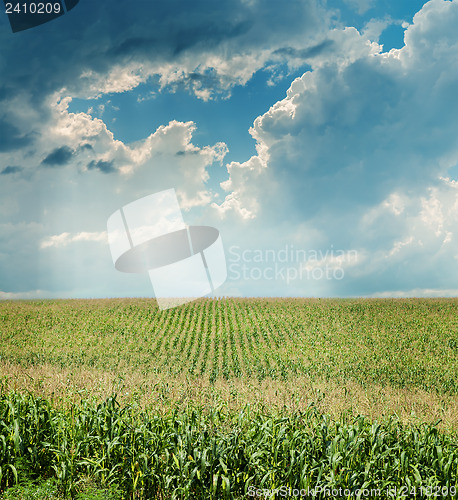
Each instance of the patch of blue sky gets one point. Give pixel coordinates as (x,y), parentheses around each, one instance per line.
(398,12)
(134,115)
(392,37)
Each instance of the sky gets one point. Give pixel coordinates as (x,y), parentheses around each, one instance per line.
(319,137)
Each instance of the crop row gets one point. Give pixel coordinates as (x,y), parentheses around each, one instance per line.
(400,343)
(213,453)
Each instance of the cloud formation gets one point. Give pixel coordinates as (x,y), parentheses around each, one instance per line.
(361,155)
(67,203)
(360,150)
(106,47)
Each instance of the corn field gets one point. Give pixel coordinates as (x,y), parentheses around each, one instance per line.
(204,448)
(403,343)
(216,454)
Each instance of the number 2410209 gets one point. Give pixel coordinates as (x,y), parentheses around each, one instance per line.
(33,8)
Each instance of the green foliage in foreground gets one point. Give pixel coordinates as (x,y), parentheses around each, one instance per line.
(49,490)
(213,454)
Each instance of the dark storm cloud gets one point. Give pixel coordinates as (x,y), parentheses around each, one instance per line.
(184,153)
(59,157)
(208,36)
(180,39)
(11,170)
(104,166)
(5,92)
(95,36)
(11,137)
(306,53)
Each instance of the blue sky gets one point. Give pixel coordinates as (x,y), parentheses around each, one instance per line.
(319,137)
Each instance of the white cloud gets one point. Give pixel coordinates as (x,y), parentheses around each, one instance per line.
(358,148)
(243,185)
(73,197)
(64,239)
(398,245)
(375,27)
(431,213)
(395,203)
(30,295)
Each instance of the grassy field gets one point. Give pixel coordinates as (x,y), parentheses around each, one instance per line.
(237,375)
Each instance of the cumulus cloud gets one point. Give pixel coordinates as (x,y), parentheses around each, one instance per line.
(357,149)
(11,137)
(358,154)
(105,47)
(90,177)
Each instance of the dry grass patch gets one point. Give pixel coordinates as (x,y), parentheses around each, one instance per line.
(160,393)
